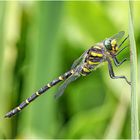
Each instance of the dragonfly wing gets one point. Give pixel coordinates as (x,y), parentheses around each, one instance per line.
(118,36)
(65,84)
(77,61)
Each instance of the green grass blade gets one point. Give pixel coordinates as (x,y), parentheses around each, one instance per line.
(134,75)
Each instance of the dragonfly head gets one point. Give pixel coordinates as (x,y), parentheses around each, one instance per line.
(111,45)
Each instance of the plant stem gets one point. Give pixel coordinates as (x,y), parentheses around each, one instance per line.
(134,75)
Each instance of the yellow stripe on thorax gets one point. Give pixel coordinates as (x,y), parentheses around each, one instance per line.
(92,63)
(97,47)
(86,69)
(96,54)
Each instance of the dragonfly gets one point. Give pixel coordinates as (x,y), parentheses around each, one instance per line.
(104,51)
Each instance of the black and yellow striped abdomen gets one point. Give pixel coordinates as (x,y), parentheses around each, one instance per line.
(38,93)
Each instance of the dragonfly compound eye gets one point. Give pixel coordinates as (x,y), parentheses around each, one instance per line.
(107,44)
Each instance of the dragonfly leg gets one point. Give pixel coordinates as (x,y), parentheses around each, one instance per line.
(121,50)
(123,41)
(117,63)
(112,75)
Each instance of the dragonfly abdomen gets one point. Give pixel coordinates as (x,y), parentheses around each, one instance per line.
(38,93)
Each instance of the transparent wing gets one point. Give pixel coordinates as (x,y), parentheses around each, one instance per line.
(118,36)
(78,61)
(65,84)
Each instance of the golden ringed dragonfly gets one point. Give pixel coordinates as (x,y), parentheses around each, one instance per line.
(104,51)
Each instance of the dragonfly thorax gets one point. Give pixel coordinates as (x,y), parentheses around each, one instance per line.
(93,58)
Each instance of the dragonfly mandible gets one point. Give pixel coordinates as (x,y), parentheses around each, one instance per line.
(104,51)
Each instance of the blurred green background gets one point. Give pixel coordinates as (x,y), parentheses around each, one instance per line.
(38,42)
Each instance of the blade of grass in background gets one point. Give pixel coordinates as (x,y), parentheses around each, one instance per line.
(10,33)
(134,75)
(2,16)
(2,12)
(44,67)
